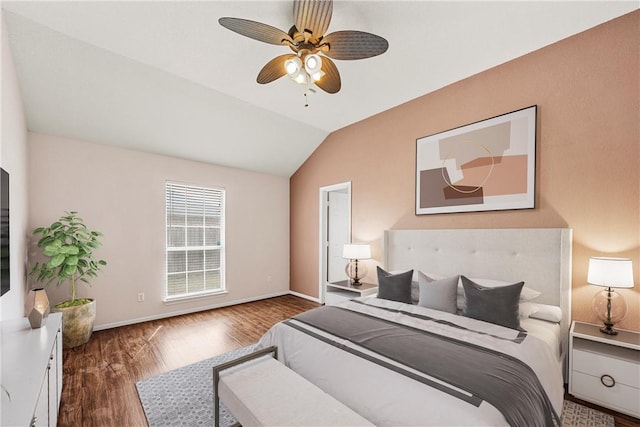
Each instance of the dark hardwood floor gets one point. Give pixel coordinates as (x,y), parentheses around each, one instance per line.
(100,376)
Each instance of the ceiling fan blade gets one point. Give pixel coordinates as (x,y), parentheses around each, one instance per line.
(256,30)
(330,82)
(351,44)
(273,69)
(313,16)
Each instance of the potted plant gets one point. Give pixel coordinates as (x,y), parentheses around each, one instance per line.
(68,244)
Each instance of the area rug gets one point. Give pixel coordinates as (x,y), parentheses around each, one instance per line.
(184,398)
(574,414)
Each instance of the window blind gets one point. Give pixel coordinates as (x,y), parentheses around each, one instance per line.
(195,240)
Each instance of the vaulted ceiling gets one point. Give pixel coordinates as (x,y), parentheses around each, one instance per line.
(165,77)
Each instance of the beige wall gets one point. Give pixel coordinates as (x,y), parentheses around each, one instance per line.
(588,137)
(121,193)
(13,158)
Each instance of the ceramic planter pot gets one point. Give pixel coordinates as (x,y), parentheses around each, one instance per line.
(77,323)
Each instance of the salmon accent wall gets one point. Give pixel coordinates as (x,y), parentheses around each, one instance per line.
(587,91)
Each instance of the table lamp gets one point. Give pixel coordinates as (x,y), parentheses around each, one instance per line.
(355,270)
(609,306)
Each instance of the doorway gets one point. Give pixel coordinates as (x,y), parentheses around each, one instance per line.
(335,231)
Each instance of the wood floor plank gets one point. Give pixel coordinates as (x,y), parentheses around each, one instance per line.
(99,377)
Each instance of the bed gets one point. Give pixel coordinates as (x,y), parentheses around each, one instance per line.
(399,363)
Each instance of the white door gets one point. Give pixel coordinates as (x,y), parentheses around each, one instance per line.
(337,234)
(335,231)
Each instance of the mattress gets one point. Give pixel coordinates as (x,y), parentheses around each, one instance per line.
(385,397)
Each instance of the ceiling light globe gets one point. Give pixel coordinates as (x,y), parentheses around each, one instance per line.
(313,64)
(317,76)
(293,66)
(301,78)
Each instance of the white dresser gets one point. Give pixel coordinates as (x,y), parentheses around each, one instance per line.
(605,369)
(31,375)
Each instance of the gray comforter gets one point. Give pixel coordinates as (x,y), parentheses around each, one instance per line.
(398,364)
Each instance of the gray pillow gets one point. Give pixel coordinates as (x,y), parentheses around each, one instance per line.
(415,292)
(493,305)
(438,294)
(394,287)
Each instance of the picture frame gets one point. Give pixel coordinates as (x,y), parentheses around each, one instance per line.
(483,166)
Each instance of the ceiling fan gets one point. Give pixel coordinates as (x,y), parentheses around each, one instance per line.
(310,63)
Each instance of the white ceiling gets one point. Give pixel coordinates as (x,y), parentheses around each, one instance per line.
(165,77)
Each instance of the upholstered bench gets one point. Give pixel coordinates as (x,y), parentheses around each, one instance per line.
(260,391)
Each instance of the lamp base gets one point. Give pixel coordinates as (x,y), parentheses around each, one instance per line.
(608,329)
(355,271)
(610,307)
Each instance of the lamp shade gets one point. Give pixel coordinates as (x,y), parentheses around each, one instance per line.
(610,272)
(356,251)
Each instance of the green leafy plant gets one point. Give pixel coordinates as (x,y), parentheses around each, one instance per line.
(69,245)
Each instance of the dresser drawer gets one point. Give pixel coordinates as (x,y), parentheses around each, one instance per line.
(620,397)
(622,364)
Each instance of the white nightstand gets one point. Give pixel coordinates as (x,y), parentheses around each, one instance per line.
(342,291)
(605,369)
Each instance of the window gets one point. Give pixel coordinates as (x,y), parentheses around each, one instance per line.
(195,241)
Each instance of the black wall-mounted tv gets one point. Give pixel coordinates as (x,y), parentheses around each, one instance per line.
(4,231)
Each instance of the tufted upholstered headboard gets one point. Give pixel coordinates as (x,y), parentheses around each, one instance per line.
(541,257)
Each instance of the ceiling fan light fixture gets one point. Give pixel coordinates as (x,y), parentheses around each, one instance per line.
(301,77)
(294,69)
(317,76)
(313,66)
(307,38)
(293,66)
(312,63)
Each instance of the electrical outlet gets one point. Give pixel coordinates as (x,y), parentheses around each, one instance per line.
(141,297)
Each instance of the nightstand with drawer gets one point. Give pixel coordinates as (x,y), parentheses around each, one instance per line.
(605,369)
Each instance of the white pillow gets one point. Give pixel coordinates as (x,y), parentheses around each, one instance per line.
(415,287)
(438,294)
(527,309)
(550,313)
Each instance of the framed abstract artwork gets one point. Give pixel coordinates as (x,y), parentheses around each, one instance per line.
(483,166)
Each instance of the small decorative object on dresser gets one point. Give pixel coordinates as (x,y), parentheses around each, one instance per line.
(356,252)
(37,307)
(609,306)
(605,370)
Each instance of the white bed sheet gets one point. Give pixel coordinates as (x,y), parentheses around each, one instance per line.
(387,398)
(549,332)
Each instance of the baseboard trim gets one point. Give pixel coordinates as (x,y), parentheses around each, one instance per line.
(191,310)
(307,297)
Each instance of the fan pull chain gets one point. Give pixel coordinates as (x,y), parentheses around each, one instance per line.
(306,91)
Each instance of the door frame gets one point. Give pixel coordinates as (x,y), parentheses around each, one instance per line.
(322,244)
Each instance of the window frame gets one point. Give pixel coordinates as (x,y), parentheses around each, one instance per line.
(217,193)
